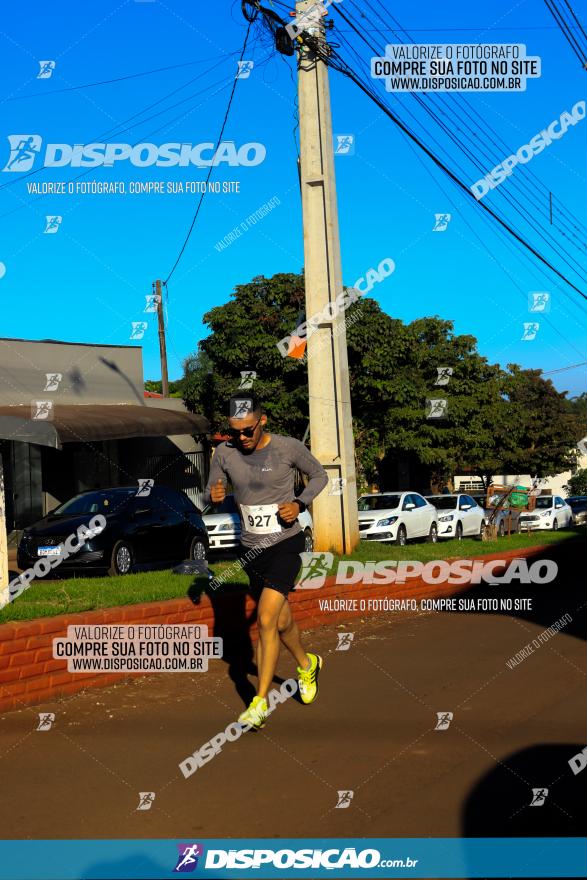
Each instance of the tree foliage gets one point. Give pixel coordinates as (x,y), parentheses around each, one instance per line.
(497,420)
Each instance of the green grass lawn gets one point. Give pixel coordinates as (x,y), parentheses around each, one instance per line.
(48,598)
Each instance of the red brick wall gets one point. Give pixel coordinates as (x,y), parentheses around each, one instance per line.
(29,674)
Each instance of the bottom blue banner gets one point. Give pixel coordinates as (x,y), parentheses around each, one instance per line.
(334,858)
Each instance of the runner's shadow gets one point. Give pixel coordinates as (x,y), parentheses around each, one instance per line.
(233,625)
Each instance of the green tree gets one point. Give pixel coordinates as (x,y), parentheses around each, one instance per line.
(546,426)
(577,484)
(490,425)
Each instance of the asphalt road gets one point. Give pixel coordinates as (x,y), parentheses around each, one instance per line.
(371,731)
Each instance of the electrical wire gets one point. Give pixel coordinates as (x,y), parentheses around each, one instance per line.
(114,130)
(369,91)
(208,176)
(571,39)
(118,79)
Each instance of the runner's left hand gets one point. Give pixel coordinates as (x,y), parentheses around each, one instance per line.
(289,512)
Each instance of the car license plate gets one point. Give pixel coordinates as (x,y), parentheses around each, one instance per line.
(49,551)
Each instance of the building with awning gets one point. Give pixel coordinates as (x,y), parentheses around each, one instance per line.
(76,417)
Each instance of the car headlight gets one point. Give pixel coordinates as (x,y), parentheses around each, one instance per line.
(546,513)
(389,521)
(226,527)
(447,518)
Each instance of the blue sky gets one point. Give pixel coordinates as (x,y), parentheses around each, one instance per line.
(88,282)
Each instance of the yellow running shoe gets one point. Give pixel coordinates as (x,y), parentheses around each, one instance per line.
(308,679)
(256,713)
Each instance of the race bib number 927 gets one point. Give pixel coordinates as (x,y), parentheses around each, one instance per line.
(260,519)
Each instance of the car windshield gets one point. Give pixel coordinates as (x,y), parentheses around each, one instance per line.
(226,506)
(378,502)
(544,503)
(103,501)
(442,502)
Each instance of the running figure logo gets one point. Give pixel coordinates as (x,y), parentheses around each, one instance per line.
(153,299)
(337,484)
(344,800)
(42,410)
(539,795)
(53,223)
(344,641)
(315,567)
(138,329)
(444,374)
(530,331)
(441,222)
(146,799)
(240,408)
(539,301)
(53,380)
(444,719)
(247,379)
(244,69)
(46,719)
(24,149)
(46,69)
(189,853)
(436,408)
(345,145)
(144,489)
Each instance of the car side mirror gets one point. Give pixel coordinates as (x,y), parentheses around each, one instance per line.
(409,507)
(466,507)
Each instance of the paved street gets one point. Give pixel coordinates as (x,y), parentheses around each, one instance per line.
(370,732)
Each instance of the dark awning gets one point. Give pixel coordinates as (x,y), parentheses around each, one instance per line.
(68,423)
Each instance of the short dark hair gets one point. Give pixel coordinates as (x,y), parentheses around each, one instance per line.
(252,401)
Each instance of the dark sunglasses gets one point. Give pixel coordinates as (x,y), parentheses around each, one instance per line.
(237,433)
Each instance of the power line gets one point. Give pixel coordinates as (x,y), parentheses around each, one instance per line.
(566,30)
(564,369)
(369,91)
(116,129)
(104,82)
(218,140)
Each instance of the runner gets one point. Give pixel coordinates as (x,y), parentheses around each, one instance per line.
(261,469)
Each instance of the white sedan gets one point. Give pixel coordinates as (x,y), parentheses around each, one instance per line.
(223,525)
(458,516)
(551,512)
(396,516)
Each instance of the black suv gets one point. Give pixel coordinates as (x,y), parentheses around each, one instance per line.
(161,525)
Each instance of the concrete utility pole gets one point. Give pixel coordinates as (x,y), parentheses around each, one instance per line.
(162,348)
(336,523)
(3,542)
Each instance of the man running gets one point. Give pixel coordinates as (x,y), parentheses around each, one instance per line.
(261,469)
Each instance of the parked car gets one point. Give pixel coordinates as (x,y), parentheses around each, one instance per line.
(551,512)
(578,504)
(459,516)
(397,516)
(223,525)
(163,526)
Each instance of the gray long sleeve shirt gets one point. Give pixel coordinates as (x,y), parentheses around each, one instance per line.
(263,479)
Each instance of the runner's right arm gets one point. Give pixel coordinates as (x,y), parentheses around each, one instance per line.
(217,472)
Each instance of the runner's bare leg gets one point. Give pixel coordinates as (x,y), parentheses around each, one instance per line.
(290,636)
(268,610)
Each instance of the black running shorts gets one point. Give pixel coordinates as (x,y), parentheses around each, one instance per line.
(275,567)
